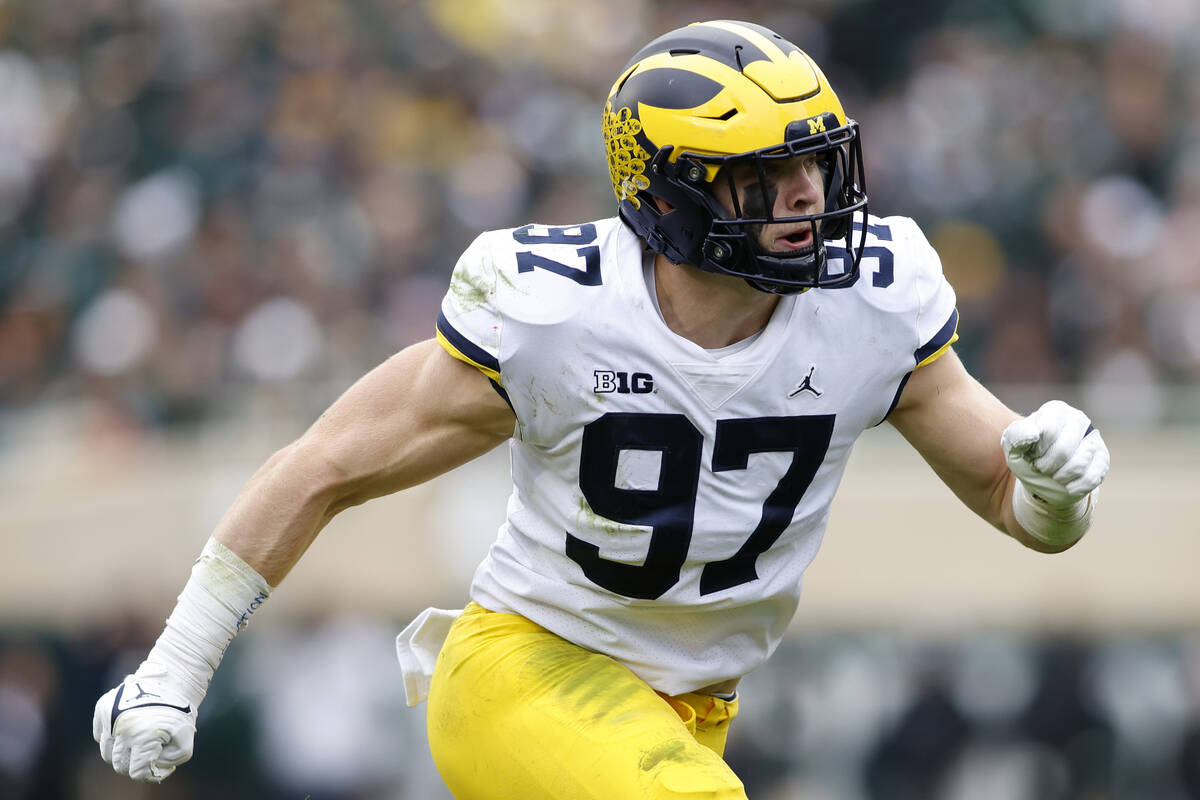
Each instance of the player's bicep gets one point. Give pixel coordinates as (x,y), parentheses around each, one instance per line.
(955,424)
(415,416)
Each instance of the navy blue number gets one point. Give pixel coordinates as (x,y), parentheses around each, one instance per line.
(670,509)
(586,235)
(580,234)
(588,276)
(885,275)
(808,440)
(881,232)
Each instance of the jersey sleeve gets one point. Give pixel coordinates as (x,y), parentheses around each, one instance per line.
(937,312)
(469,324)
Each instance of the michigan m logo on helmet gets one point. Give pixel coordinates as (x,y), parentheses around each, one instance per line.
(698,101)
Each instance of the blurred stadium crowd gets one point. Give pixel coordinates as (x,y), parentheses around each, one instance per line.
(228,207)
(202,203)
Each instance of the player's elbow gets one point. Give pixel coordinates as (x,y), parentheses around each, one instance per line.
(319,475)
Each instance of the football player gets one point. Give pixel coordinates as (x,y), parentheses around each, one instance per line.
(680,387)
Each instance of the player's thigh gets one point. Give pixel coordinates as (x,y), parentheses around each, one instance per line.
(516,712)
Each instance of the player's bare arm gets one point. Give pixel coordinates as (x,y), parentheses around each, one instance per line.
(983,450)
(415,416)
(955,424)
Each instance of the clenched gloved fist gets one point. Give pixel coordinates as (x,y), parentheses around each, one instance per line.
(1056,453)
(145,726)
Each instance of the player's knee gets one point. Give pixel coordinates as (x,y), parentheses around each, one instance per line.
(700,787)
(683,770)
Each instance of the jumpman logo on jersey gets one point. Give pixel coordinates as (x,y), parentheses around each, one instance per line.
(806,385)
(143,693)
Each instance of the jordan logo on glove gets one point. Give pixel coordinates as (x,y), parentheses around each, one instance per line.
(132,703)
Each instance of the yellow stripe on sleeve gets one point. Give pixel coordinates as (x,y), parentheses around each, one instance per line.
(454,351)
(941,351)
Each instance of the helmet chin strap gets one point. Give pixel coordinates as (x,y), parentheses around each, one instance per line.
(804,269)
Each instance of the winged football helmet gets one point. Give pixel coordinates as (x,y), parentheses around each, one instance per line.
(712,99)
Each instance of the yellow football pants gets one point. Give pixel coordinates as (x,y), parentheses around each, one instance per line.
(518,712)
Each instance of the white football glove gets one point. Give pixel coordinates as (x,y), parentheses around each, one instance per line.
(1056,453)
(145,726)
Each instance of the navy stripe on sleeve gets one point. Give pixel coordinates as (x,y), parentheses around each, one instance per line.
(896,399)
(939,340)
(465,346)
(503,394)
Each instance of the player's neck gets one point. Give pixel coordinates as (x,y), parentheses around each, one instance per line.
(709,309)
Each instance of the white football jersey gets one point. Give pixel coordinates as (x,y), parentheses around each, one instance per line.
(667,499)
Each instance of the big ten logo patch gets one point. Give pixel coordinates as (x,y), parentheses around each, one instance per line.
(608,381)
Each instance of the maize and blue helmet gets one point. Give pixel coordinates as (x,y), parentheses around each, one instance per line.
(696,103)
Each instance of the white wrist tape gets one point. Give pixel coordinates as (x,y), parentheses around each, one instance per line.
(217,602)
(1050,524)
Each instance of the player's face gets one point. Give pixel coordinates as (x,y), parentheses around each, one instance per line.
(794,187)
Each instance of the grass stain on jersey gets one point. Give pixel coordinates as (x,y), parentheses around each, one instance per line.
(547,403)
(469,291)
(586,519)
(510,283)
(542,400)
